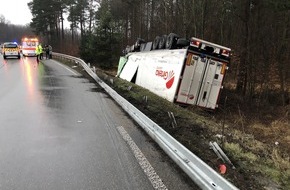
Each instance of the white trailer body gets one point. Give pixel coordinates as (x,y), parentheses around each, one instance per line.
(191,76)
(158,75)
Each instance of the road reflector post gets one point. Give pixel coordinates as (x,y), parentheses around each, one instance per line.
(172,121)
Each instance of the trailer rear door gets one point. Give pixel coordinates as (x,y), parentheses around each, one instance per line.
(191,80)
(201,81)
(212,84)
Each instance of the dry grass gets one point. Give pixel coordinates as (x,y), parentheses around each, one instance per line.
(270,157)
(251,144)
(254,147)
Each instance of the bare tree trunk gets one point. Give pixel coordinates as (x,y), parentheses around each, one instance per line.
(243,65)
(152,20)
(91,15)
(194,17)
(62,24)
(282,56)
(81,25)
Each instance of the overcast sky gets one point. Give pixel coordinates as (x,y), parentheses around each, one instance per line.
(16,11)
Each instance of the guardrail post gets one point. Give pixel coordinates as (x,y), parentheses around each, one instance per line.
(145,101)
(172,121)
(202,174)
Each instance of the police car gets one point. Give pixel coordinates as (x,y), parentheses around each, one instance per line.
(10,49)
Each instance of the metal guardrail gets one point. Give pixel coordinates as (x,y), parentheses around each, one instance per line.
(202,174)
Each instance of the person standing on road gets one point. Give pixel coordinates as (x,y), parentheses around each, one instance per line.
(41,51)
(46,52)
(50,51)
(37,52)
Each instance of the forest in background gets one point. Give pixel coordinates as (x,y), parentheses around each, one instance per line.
(10,32)
(254,105)
(257,31)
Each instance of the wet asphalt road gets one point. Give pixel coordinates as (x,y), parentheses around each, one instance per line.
(58,131)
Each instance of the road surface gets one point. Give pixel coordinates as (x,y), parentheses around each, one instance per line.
(59,131)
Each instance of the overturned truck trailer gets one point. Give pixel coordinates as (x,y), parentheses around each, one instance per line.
(190,75)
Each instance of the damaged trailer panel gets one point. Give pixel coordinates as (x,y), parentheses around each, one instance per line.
(193,75)
(157,71)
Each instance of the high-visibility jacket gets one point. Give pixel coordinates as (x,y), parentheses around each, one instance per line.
(38,50)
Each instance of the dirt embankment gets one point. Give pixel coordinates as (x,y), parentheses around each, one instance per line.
(259,150)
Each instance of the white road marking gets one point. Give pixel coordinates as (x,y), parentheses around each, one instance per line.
(67,68)
(143,162)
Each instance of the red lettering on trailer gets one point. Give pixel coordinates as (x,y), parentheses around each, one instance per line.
(161,73)
(168,76)
(170,81)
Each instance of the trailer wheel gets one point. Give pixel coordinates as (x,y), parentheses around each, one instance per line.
(138,43)
(171,41)
(156,43)
(162,42)
(182,42)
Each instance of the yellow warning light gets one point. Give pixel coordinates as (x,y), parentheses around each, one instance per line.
(224,68)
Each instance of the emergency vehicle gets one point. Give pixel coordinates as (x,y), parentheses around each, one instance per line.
(28,46)
(10,49)
(192,74)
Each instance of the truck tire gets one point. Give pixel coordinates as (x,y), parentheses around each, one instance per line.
(171,41)
(182,42)
(162,42)
(156,43)
(138,43)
